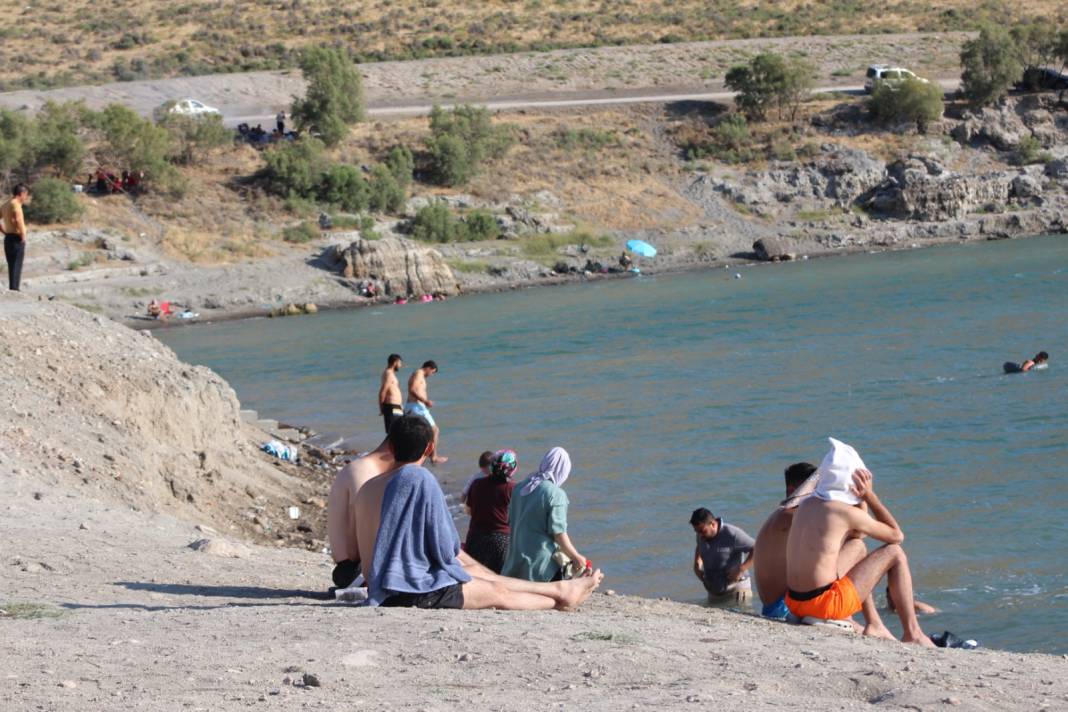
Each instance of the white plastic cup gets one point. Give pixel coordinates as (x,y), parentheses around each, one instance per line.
(294,512)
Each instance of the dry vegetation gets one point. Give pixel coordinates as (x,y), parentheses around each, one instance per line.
(77,41)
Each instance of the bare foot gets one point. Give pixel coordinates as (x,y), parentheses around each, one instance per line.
(438,460)
(922,640)
(574,592)
(878,631)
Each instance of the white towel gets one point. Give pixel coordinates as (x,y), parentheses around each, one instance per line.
(836,473)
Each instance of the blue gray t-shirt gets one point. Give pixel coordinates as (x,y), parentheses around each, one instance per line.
(723,552)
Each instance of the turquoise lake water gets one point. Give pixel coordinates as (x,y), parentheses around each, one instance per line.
(675,392)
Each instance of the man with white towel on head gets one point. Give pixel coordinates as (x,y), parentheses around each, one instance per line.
(817,585)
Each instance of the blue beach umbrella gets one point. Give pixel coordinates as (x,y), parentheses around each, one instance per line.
(641,247)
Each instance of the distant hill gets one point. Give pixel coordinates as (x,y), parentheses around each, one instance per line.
(77,42)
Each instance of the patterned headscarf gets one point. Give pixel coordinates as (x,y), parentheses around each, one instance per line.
(503,464)
(555,467)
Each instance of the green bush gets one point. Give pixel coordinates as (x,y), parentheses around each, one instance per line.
(770,80)
(913,100)
(991,63)
(53,202)
(194,136)
(302,232)
(344,186)
(461,140)
(481,225)
(295,167)
(55,141)
(1030,151)
(436,223)
(138,144)
(334,98)
(387,195)
(586,139)
(401,164)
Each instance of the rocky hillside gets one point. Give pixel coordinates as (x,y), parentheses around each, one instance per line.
(96,410)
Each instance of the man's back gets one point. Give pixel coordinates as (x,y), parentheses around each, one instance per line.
(341,519)
(769,555)
(816,537)
(368,508)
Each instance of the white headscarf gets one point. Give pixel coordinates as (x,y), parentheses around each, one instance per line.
(836,473)
(554,467)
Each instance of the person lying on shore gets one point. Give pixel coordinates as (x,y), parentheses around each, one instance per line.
(411,550)
(488,533)
(769,551)
(484,462)
(341,510)
(537,519)
(419,403)
(816,587)
(722,559)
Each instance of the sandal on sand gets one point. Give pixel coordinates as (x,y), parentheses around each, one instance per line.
(836,625)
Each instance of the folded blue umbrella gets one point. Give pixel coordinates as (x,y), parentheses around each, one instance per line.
(640,247)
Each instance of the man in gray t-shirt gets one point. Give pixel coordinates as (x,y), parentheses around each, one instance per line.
(722,559)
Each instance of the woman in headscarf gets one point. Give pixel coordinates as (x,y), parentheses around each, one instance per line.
(488,500)
(537,518)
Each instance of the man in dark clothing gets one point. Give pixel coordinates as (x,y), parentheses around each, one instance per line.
(722,559)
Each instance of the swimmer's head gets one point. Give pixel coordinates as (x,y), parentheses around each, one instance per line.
(1041,357)
(796,474)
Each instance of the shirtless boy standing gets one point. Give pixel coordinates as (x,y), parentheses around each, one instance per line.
(817,585)
(419,403)
(389,393)
(341,511)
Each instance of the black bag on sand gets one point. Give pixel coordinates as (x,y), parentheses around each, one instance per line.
(945,639)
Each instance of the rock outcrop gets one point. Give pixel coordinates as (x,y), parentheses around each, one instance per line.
(401,267)
(774,248)
(1005,125)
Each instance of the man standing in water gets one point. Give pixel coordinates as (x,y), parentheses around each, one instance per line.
(816,585)
(389,393)
(419,403)
(722,559)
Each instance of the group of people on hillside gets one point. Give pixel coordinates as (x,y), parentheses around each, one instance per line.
(810,559)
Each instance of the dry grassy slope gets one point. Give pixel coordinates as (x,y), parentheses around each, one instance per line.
(95,408)
(81,41)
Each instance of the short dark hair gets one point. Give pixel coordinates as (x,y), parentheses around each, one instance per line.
(797,473)
(430,364)
(700,516)
(408,438)
(1042,356)
(19,189)
(485,459)
(393,358)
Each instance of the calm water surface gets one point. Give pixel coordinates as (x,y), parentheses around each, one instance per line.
(684,391)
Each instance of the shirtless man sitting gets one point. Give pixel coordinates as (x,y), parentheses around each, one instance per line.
(384,529)
(389,393)
(419,403)
(341,511)
(823,523)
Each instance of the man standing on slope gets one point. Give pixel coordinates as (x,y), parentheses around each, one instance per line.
(14,227)
(389,393)
(419,404)
(816,586)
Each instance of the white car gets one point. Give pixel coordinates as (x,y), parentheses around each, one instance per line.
(192,107)
(885,74)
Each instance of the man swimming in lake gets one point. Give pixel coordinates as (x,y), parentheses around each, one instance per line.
(722,559)
(1039,361)
(411,550)
(419,403)
(389,392)
(816,584)
(341,511)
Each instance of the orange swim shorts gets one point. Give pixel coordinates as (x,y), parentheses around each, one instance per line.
(838,602)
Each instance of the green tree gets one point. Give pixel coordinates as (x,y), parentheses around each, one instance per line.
(770,80)
(16,147)
(345,187)
(436,223)
(294,168)
(450,160)
(991,64)
(334,98)
(481,225)
(56,141)
(461,140)
(401,164)
(134,143)
(53,202)
(387,195)
(913,100)
(194,136)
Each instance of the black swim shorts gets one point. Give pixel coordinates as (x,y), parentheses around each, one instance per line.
(448,597)
(390,412)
